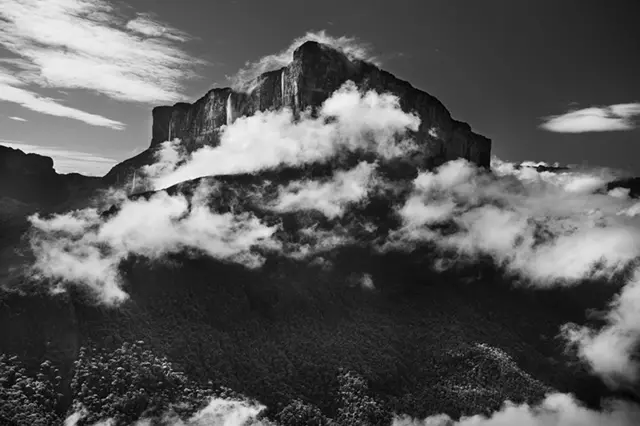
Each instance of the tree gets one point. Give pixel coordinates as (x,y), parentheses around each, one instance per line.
(357,407)
(25,399)
(130,383)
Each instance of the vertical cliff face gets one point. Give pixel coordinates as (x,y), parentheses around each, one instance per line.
(315,72)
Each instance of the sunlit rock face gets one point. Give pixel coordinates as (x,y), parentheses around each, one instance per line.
(314,74)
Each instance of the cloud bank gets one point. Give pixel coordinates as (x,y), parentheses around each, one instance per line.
(550,229)
(594,119)
(87,44)
(219,412)
(556,410)
(244,79)
(86,249)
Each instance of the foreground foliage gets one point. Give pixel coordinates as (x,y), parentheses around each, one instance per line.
(131,383)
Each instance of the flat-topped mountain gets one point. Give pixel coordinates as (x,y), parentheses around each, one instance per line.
(315,72)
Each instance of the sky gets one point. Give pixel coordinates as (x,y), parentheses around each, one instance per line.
(546,80)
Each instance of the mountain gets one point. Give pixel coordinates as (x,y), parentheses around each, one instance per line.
(31,179)
(316,71)
(274,283)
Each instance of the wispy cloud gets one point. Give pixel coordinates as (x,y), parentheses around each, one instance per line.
(146,25)
(594,119)
(350,46)
(66,160)
(87,44)
(11,91)
(17,119)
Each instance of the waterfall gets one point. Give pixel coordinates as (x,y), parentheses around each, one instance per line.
(229,110)
(282,77)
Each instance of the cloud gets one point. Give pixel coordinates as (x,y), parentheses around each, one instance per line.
(594,119)
(66,160)
(87,44)
(147,26)
(11,91)
(331,197)
(347,122)
(83,248)
(17,119)
(556,410)
(551,229)
(611,350)
(350,46)
(222,412)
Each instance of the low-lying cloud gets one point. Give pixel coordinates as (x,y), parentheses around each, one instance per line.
(85,248)
(594,119)
(348,121)
(556,410)
(219,412)
(331,197)
(550,229)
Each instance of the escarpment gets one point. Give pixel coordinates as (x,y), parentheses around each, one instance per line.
(315,72)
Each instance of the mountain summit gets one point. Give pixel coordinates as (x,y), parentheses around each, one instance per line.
(315,72)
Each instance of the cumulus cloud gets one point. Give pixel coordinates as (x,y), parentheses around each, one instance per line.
(551,230)
(347,121)
(219,412)
(556,410)
(88,44)
(68,160)
(611,351)
(350,46)
(85,248)
(594,119)
(331,197)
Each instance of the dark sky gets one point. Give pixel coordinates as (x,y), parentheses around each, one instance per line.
(500,65)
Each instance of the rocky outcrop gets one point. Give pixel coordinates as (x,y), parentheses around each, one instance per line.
(315,72)
(31,178)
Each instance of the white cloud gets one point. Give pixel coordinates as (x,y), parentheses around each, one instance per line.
(594,119)
(556,410)
(10,91)
(610,351)
(347,121)
(85,249)
(145,24)
(86,44)
(68,161)
(331,197)
(219,412)
(244,79)
(17,119)
(552,230)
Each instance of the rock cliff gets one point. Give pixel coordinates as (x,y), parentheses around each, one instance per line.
(315,72)
(32,179)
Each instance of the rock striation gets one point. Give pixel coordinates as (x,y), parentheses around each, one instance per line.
(315,72)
